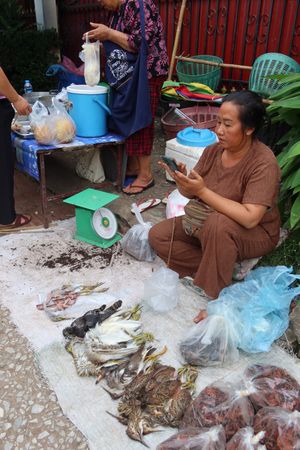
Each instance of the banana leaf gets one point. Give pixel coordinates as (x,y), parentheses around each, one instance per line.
(294,151)
(295,212)
(286,90)
(291,103)
(296,189)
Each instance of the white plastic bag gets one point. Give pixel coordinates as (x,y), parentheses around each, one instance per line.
(89,166)
(161,290)
(135,241)
(41,124)
(175,204)
(196,439)
(91,57)
(63,124)
(211,342)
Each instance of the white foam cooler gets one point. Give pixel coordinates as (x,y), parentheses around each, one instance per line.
(184,147)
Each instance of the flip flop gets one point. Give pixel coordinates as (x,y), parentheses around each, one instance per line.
(143,205)
(20,222)
(142,188)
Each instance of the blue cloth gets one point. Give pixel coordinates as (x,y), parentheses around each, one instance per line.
(27,150)
(127,76)
(65,77)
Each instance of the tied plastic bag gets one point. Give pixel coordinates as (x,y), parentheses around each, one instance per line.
(211,342)
(245,439)
(91,57)
(282,428)
(63,124)
(258,307)
(196,439)
(161,290)
(135,242)
(272,386)
(175,204)
(41,124)
(220,404)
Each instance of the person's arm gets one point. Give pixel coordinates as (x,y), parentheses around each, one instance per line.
(21,105)
(104,33)
(246,214)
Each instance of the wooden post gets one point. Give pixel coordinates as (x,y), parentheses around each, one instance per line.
(178,30)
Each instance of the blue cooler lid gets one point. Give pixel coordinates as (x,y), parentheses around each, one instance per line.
(196,137)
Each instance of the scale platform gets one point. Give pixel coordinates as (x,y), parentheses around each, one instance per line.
(95,224)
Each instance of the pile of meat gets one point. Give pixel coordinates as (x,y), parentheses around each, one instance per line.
(262,412)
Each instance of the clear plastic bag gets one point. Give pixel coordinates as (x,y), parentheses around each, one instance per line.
(63,124)
(282,428)
(211,342)
(161,290)
(196,439)
(41,124)
(245,439)
(91,57)
(135,242)
(272,386)
(258,308)
(220,404)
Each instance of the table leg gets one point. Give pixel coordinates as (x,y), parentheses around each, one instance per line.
(121,165)
(43,190)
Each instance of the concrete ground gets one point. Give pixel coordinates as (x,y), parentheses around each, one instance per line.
(30,415)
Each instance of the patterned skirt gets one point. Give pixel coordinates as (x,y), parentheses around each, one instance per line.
(141,142)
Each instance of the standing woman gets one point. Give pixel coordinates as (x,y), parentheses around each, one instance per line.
(136,67)
(8,217)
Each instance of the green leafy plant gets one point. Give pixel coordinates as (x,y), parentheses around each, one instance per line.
(285,107)
(25,52)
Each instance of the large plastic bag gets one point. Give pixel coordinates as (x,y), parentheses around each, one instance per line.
(161,290)
(282,428)
(91,57)
(175,204)
(211,342)
(245,439)
(89,166)
(272,386)
(135,241)
(41,124)
(63,124)
(258,307)
(196,439)
(220,404)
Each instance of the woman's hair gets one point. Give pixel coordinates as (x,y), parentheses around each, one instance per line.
(252,111)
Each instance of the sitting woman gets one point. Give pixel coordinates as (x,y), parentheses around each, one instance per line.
(232,213)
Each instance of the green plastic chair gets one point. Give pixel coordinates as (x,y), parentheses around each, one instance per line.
(270,64)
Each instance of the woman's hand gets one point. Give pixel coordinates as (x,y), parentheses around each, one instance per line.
(100,32)
(180,165)
(22,106)
(191,185)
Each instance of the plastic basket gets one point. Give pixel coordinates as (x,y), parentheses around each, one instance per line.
(270,64)
(204,116)
(188,71)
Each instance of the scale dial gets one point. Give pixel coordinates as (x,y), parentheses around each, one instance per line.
(104,223)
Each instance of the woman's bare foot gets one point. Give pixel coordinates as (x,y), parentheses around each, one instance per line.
(21,220)
(200,316)
(138,186)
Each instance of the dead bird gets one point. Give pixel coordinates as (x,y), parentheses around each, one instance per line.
(79,327)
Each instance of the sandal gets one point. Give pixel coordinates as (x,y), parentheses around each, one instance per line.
(145,204)
(141,188)
(20,222)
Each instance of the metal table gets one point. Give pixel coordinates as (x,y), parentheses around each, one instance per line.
(31,160)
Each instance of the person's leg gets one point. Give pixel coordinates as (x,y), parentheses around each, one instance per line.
(132,166)
(223,242)
(7,204)
(140,144)
(185,253)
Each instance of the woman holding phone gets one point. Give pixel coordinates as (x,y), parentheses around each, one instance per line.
(232,213)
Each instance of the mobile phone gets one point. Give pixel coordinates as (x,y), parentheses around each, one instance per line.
(170,163)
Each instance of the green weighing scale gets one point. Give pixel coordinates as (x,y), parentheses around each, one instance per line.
(95,224)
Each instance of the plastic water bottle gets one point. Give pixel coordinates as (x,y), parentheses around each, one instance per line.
(27,87)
